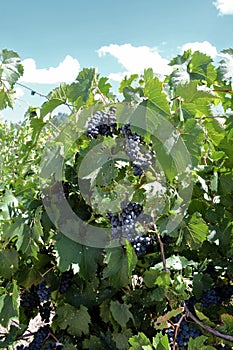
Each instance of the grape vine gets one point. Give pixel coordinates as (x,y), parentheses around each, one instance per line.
(147,261)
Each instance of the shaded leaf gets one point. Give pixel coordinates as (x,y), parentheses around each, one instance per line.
(76,321)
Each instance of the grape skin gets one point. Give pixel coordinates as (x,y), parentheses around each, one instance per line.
(66,279)
(142,244)
(43,292)
(123,225)
(132,149)
(185,332)
(39,338)
(102,123)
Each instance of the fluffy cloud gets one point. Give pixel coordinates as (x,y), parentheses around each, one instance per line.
(66,71)
(18,92)
(204,47)
(136,59)
(225,7)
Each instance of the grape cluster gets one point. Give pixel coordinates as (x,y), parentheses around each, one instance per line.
(66,279)
(214,296)
(143,244)
(211,297)
(123,225)
(43,292)
(185,332)
(29,300)
(45,311)
(102,123)
(133,150)
(37,297)
(38,340)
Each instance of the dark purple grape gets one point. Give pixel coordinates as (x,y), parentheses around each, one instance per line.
(43,292)
(66,279)
(102,123)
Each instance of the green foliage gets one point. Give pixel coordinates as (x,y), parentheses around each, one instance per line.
(116,299)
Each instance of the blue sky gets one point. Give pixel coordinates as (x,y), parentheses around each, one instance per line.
(57,38)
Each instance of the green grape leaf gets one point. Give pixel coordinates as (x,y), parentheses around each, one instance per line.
(37,228)
(199,343)
(108,172)
(8,200)
(8,262)
(94,343)
(154,277)
(227,324)
(127,81)
(11,68)
(70,252)
(139,342)
(160,342)
(122,339)
(193,136)
(153,91)
(7,310)
(57,97)
(196,231)
(216,132)
(199,67)
(201,282)
(104,86)
(117,268)
(175,262)
(6,99)
(76,321)
(225,66)
(82,88)
(120,313)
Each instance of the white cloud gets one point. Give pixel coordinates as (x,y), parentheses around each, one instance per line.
(136,59)
(204,47)
(225,7)
(66,72)
(19,92)
(118,76)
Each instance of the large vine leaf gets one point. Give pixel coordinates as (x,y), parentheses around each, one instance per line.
(7,310)
(196,231)
(57,97)
(8,262)
(153,91)
(139,342)
(70,252)
(76,321)
(120,313)
(120,265)
(11,68)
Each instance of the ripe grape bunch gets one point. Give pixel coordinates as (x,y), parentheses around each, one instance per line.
(38,297)
(102,123)
(29,301)
(143,244)
(43,292)
(185,332)
(66,279)
(38,340)
(133,150)
(123,224)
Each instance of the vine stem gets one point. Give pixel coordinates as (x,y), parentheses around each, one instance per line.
(176,331)
(165,269)
(207,328)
